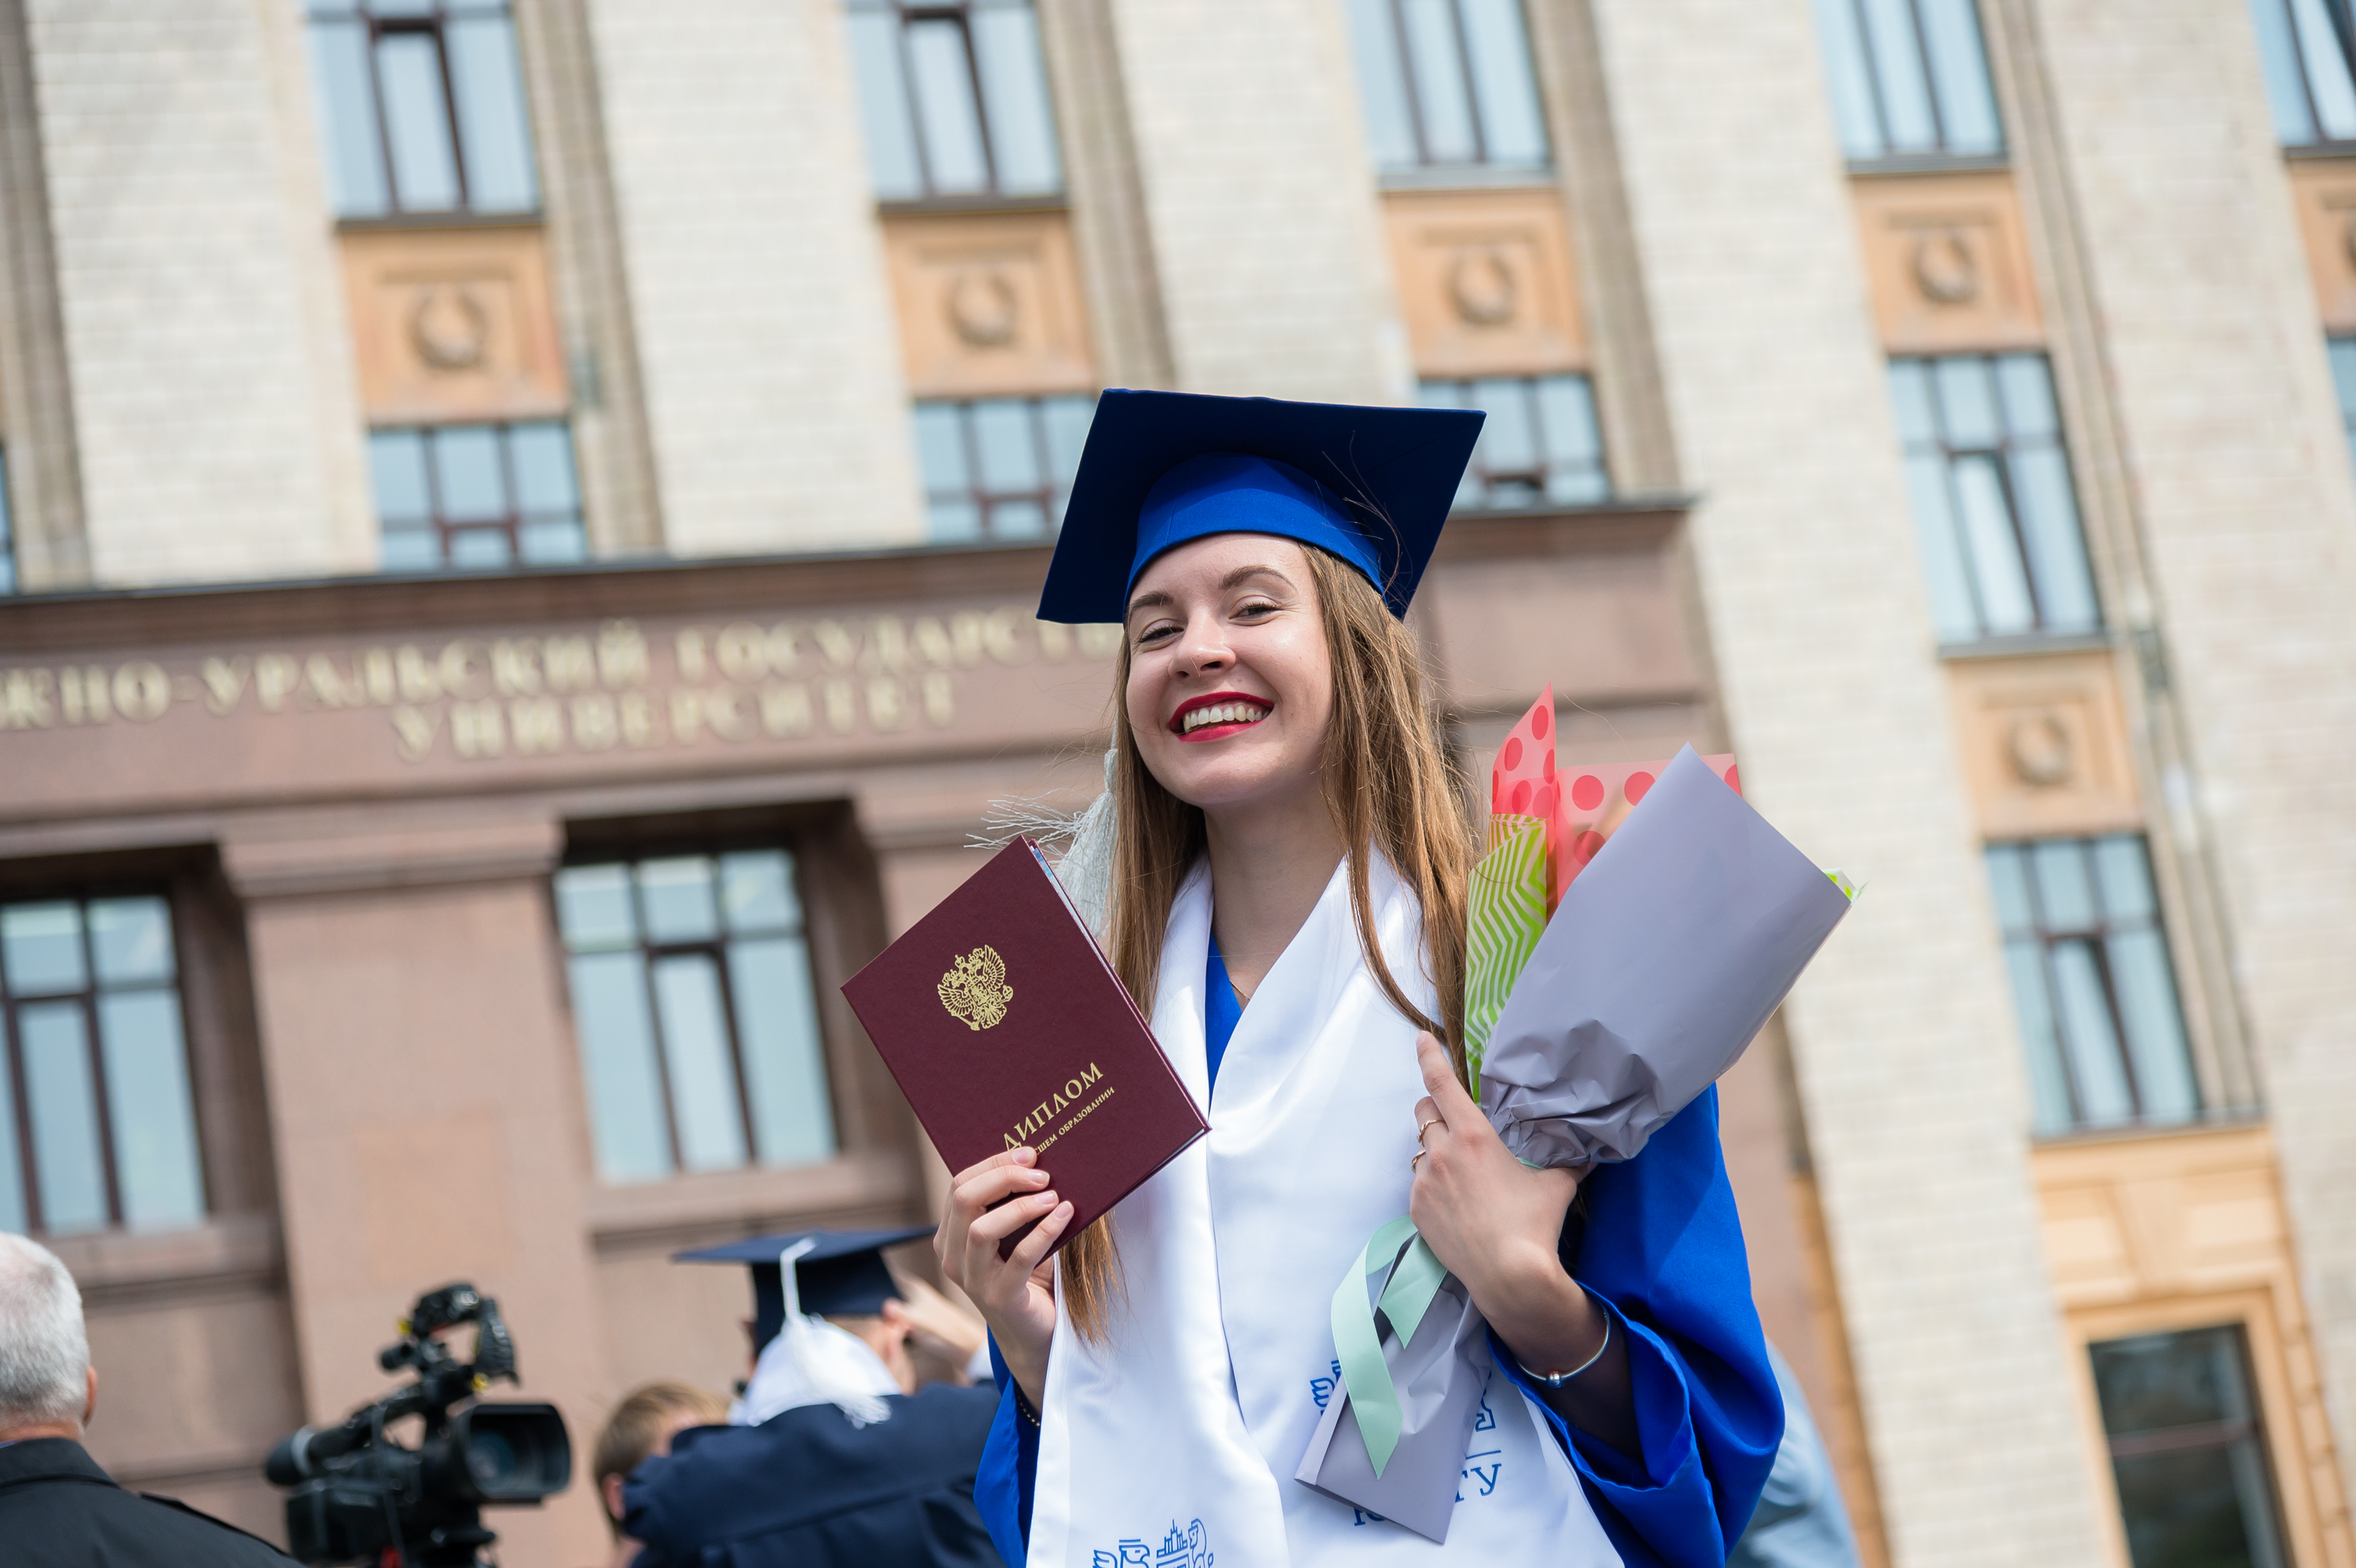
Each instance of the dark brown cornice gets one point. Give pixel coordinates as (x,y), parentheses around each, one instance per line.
(36,624)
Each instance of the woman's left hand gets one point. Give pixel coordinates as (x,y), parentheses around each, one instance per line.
(1495,1223)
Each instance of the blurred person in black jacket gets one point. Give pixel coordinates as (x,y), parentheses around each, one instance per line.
(834,1457)
(57,1506)
(641,1426)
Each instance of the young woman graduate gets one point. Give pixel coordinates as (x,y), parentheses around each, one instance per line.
(1288,883)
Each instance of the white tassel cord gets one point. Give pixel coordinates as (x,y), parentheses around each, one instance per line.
(1085,837)
(811,1362)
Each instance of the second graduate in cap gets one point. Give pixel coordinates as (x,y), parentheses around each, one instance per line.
(833,1457)
(1286,868)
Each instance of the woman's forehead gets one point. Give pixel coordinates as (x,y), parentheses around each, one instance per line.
(1212,564)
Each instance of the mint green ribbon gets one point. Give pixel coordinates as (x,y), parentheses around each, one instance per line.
(1416,1276)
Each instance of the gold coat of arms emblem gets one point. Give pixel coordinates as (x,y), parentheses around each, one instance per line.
(975,990)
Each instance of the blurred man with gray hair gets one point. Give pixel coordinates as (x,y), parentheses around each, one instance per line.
(57,1506)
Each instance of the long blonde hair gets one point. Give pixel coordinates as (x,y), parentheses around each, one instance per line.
(1392,784)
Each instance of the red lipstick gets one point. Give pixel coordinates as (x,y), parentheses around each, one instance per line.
(1219,730)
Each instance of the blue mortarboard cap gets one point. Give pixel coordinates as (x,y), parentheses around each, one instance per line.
(1373,485)
(842,1275)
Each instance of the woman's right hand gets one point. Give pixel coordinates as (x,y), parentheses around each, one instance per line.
(1016,1293)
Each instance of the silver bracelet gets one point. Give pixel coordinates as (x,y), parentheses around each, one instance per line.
(1556,1379)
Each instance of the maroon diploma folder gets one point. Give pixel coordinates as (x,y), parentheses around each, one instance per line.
(1005,1027)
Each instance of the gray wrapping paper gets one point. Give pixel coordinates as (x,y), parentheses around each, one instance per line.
(1440,1373)
(1665,958)
(1666,955)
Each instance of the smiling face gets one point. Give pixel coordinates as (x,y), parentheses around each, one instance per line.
(1230,683)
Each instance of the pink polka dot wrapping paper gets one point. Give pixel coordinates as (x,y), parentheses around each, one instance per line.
(1581,805)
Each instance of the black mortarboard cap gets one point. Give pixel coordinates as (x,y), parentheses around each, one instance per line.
(841,1274)
(1371,484)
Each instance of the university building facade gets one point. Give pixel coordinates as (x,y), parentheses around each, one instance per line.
(521,527)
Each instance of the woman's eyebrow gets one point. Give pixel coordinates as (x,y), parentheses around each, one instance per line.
(1157,599)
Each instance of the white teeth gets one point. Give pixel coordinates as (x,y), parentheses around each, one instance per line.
(1223,713)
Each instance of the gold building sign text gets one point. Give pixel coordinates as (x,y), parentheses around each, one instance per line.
(480,699)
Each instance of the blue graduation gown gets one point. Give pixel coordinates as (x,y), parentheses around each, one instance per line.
(1801,1521)
(807,1489)
(1656,1242)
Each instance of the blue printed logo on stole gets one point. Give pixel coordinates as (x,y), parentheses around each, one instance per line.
(1180,1548)
(1486,1462)
(1321,1389)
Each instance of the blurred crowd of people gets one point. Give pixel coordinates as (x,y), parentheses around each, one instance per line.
(854,1438)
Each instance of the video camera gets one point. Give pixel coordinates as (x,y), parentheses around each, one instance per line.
(354,1495)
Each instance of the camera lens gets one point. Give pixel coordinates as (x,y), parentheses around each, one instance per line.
(509,1453)
(492,1458)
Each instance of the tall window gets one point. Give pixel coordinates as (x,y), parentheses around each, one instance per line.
(1447,83)
(2187,1450)
(2344,381)
(1909,79)
(8,534)
(1993,504)
(97,1124)
(2091,979)
(476,496)
(954,97)
(698,1019)
(2306,46)
(999,468)
(420,107)
(1539,446)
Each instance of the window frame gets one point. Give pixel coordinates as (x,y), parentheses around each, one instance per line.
(2340,361)
(1413,90)
(2010,444)
(433,24)
(931,198)
(12,574)
(82,891)
(444,532)
(630,850)
(1889,161)
(2341,16)
(2261,1428)
(1477,473)
(1482,169)
(2096,937)
(1049,496)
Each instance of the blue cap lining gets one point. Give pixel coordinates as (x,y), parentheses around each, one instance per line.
(1235,493)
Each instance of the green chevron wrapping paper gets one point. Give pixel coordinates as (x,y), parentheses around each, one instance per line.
(1505,915)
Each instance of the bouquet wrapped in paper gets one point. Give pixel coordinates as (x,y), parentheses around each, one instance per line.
(1544,825)
(1629,931)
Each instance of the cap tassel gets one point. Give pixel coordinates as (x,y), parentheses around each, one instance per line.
(811,1362)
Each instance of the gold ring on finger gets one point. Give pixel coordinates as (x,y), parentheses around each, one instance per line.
(1427,1127)
(1417,1157)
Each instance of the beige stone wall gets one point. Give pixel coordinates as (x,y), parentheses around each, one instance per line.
(767,348)
(1908,1060)
(1259,196)
(2248,514)
(211,386)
